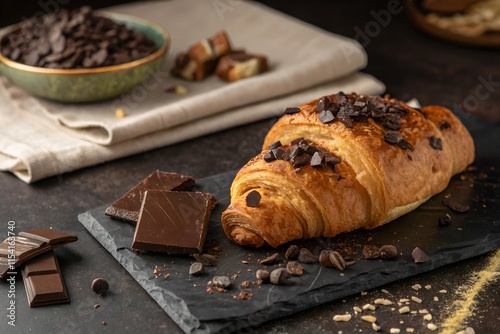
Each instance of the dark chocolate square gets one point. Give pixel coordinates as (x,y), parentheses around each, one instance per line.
(127,207)
(173,222)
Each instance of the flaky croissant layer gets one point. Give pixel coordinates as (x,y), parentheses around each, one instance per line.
(344,162)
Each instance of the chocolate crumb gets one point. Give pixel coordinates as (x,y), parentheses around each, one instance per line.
(445,221)
(206,259)
(371,252)
(253,198)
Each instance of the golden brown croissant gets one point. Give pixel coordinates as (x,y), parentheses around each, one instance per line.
(344,162)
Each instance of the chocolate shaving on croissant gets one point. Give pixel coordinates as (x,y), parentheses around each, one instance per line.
(350,172)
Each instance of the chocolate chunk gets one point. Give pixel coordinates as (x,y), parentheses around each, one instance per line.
(317,160)
(127,207)
(280,153)
(275,145)
(326,116)
(173,222)
(405,145)
(455,206)
(393,137)
(306,256)
(295,268)
(253,198)
(279,276)
(269,156)
(197,268)
(344,118)
(262,275)
(43,281)
(300,160)
(291,110)
(304,146)
(435,143)
(270,259)
(292,252)
(100,286)
(296,141)
(419,255)
(223,282)
(324,103)
(388,251)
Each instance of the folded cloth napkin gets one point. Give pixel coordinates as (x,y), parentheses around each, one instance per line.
(42,138)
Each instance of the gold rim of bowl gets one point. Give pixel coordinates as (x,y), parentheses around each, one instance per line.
(104,69)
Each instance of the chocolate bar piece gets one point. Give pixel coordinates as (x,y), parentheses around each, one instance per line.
(127,207)
(201,58)
(43,281)
(240,65)
(173,222)
(16,250)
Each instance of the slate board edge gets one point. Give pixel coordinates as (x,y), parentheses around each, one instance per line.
(163,299)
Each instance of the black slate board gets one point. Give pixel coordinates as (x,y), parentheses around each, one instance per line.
(187,301)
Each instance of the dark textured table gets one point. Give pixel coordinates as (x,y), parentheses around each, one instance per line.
(410,63)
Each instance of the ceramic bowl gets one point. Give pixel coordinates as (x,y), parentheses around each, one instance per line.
(92,84)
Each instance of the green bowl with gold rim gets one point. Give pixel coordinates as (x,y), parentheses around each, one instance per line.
(91,84)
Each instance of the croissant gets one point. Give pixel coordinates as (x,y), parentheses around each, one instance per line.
(344,162)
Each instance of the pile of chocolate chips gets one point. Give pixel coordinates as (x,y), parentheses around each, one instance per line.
(349,108)
(76,39)
(300,153)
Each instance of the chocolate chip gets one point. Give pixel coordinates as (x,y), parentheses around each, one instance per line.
(435,143)
(324,103)
(270,259)
(444,125)
(253,198)
(388,251)
(292,252)
(405,145)
(263,275)
(269,156)
(393,137)
(295,268)
(100,286)
(223,282)
(291,110)
(306,256)
(419,255)
(275,145)
(197,268)
(326,116)
(455,206)
(317,160)
(279,276)
(300,160)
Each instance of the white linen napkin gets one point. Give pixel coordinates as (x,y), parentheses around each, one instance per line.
(41,138)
